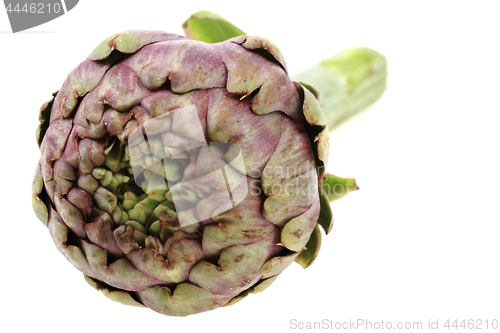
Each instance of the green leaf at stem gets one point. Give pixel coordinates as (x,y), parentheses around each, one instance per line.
(335,187)
(208,27)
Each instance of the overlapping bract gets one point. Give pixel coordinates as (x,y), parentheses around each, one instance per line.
(126,237)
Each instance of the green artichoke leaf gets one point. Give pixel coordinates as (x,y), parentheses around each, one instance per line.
(40,199)
(208,27)
(336,187)
(263,285)
(325,219)
(43,117)
(113,294)
(239,297)
(309,254)
(347,83)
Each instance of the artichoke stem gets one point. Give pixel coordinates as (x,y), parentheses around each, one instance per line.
(347,82)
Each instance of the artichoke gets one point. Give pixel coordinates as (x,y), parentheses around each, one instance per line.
(180,175)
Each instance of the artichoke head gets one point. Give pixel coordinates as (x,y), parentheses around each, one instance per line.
(180,175)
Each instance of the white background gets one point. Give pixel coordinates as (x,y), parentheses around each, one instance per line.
(419,241)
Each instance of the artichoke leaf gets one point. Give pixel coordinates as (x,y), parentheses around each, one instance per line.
(209,27)
(43,117)
(40,199)
(263,285)
(309,254)
(336,187)
(113,294)
(238,298)
(325,219)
